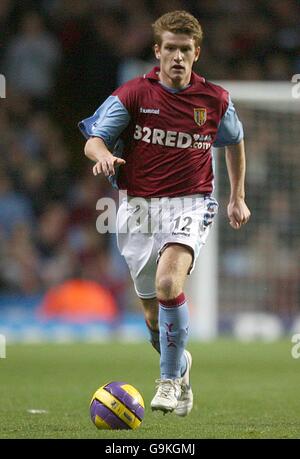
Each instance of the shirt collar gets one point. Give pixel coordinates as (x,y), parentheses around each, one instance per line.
(153,75)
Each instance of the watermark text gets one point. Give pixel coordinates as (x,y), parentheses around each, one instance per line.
(296,348)
(176,215)
(296,86)
(2,347)
(2,86)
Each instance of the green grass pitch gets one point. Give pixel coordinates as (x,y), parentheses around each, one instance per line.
(241,390)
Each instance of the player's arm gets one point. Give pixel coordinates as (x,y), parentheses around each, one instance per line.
(237,210)
(230,135)
(96,150)
(102,130)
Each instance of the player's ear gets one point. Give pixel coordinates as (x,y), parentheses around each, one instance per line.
(197,53)
(157,51)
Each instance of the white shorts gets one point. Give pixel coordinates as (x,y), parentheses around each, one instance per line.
(146,226)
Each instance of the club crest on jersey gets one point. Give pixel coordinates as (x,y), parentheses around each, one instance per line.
(200,116)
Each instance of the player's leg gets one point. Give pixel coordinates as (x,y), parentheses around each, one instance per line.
(172,271)
(173,267)
(190,224)
(150,307)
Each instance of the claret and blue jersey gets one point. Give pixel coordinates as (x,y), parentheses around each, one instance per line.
(165,135)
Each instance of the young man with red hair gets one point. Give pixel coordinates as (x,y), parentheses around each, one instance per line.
(160,128)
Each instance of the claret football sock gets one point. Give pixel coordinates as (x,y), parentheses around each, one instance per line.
(173,333)
(154,340)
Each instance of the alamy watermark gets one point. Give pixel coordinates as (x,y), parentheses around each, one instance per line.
(2,87)
(155,215)
(296,86)
(295,351)
(2,347)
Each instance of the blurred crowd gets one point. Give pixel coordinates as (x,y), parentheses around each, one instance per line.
(61,59)
(259,266)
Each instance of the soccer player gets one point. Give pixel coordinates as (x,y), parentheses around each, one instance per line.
(152,137)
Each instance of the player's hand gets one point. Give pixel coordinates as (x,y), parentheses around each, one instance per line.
(107,165)
(238,213)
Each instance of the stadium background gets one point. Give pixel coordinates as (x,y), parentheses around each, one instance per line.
(61,59)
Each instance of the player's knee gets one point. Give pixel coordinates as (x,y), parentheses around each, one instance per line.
(167,288)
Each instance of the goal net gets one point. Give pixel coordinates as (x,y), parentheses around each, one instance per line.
(255,272)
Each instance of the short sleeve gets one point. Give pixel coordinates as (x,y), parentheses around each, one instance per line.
(108,121)
(230,129)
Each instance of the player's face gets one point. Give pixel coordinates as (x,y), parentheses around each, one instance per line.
(177,54)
